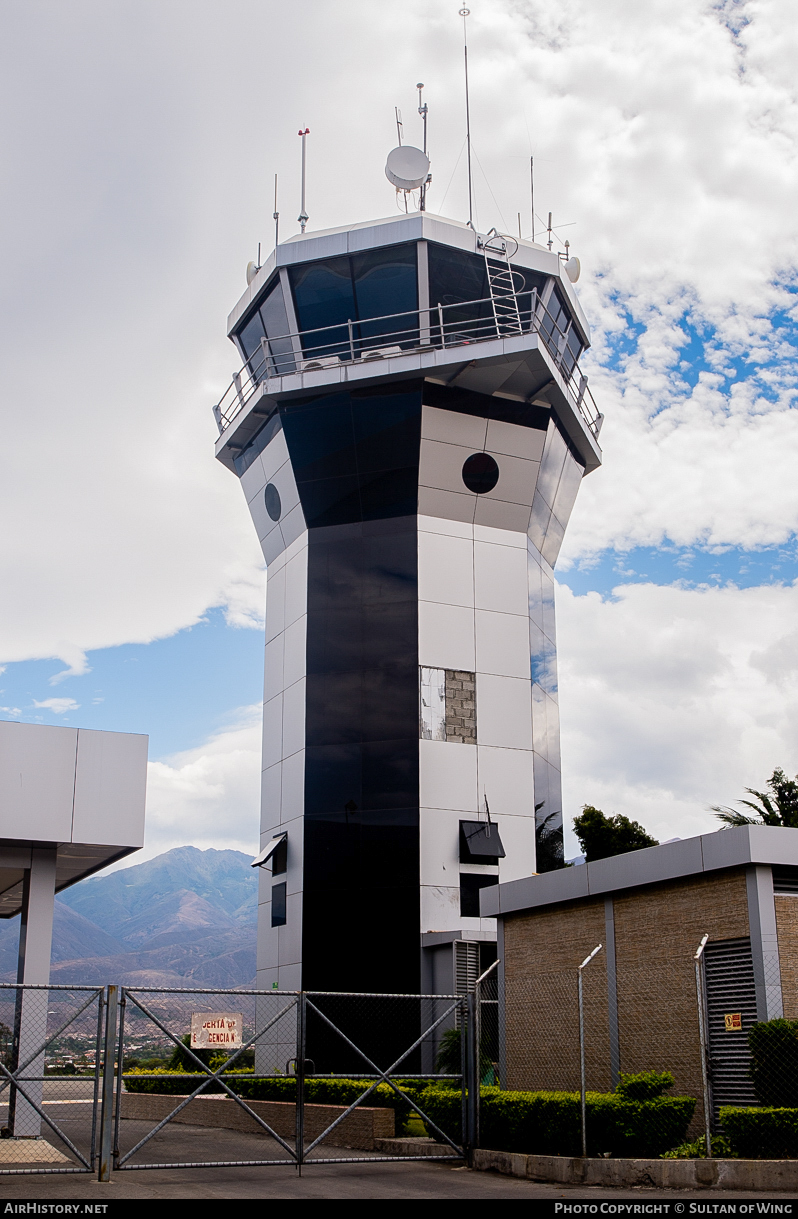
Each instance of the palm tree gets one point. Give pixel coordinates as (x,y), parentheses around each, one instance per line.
(778,807)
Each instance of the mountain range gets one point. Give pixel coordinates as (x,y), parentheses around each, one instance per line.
(184,918)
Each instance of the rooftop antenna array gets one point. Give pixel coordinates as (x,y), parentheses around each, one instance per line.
(465,14)
(303,216)
(407,168)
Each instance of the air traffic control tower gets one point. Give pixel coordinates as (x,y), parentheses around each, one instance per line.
(410,427)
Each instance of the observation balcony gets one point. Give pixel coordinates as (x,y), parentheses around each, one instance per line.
(471,345)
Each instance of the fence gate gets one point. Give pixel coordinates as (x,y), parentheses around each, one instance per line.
(320,1077)
(213,1038)
(51,1063)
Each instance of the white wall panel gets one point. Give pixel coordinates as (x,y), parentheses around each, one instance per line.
(446,636)
(445,569)
(440,846)
(448,776)
(501,581)
(452,427)
(502,644)
(504,712)
(37,781)
(110,788)
(506,777)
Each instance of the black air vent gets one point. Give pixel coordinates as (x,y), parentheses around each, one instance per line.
(785,882)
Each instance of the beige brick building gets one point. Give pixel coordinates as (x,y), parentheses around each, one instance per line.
(649,910)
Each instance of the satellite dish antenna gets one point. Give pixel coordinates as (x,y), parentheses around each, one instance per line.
(407,167)
(573,269)
(252,271)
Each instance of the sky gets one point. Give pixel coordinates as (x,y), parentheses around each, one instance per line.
(139,140)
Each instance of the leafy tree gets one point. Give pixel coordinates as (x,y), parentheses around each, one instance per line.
(779,806)
(601,836)
(181,1061)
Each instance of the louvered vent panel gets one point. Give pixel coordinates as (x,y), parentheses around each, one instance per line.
(466,966)
(729,972)
(785,882)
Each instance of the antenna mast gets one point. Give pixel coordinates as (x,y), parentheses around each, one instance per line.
(532,191)
(303,216)
(465,13)
(399,124)
(422,109)
(276,216)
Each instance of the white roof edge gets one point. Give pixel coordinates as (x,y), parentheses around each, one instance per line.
(770,846)
(415,226)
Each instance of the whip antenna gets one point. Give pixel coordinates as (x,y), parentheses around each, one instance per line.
(465,13)
(303,216)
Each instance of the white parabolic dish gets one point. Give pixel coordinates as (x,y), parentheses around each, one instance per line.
(407,167)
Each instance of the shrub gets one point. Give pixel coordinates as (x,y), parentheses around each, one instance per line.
(697,1150)
(761,1134)
(646,1085)
(318,1091)
(774,1062)
(549,1123)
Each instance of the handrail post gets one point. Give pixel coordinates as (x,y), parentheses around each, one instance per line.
(440,323)
(106,1119)
(472,1078)
(351,340)
(301,1019)
(702,1040)
(582,1090)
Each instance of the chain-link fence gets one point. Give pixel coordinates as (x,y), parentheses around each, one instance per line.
(51,1063)
(284,1078)
(609,1061)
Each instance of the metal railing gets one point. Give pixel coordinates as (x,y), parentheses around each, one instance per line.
(438,328)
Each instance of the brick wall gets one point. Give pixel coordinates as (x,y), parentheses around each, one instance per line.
(787,932)
(461,707)
(542,951)
(657,930)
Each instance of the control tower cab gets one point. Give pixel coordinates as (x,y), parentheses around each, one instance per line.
(410,427)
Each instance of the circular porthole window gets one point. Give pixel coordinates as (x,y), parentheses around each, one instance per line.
(271,498)
(480,473)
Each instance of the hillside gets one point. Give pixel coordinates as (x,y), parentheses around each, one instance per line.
(185,918)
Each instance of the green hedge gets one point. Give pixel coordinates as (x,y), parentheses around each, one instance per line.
(774,1062)
(761,1134)
(549,1123)
(318,1091)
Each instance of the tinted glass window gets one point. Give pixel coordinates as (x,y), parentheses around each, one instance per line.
(386,283)
(278,905)
(470,886)
(527,283)
(249,337)
(456,277)
(275,323)
(373,284)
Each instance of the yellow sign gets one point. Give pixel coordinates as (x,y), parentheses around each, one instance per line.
(734,1022)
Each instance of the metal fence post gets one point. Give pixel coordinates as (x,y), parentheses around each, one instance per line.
(472,1076)
(586,961)
(301,1036)
(107,1116)
(702,1040)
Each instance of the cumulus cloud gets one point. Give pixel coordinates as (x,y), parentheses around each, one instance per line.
(674,699)
(666,132)
(209,795)
(58,706)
